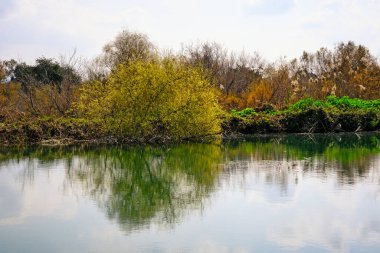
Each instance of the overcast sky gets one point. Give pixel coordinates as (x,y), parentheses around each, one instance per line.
(274,28)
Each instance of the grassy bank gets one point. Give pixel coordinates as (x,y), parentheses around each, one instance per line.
(307,116)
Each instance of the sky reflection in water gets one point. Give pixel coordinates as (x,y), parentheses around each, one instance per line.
(273,194)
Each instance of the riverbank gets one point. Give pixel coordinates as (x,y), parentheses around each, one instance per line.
(308,116)
(53,132)
(313,120)
(67,131)
(47,130)
(331,115)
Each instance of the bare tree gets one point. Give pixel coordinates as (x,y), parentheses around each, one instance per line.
(227,71)
(125,48)
(128,46)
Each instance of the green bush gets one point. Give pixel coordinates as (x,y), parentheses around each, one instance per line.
(247,112)
(346,103)
(338,103)
(334,114)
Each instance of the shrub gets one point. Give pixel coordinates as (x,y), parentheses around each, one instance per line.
(247,112)
(147,99)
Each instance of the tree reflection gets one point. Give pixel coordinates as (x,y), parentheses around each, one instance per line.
(351,156)
(137,186)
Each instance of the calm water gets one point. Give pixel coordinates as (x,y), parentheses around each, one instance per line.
(273,194)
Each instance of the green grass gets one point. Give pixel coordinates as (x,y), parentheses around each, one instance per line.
(247,112)
(341,103)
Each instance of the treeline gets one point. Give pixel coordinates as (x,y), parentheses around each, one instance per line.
(44,89)
(133,90)
(248,81)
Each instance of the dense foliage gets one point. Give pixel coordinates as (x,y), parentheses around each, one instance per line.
(309,115)
(342,103)
(132,91)
(152,99)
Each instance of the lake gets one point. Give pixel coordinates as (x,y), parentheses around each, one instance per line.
(291,193)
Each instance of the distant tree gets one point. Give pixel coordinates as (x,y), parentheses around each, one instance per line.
(47,71)
(44,72)
(348,70)
(46,88)
(128,47)
(210,56)
(259,94)
(349,61)
(226,71)
(8,68)
(2,71)
(277,80)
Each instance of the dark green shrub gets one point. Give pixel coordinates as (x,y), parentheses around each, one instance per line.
(314,120)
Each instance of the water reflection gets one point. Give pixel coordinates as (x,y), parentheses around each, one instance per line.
(136,186)
(351,156)
(279,193)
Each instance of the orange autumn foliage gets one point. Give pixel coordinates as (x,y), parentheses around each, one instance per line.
(231,101)
(259,94)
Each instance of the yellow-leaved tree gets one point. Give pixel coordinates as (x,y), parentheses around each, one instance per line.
(158,98)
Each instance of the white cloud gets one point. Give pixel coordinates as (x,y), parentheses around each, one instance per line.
(32,200)
(52,27)
(254,2)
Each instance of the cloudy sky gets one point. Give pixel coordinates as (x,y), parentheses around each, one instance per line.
(274,28)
